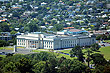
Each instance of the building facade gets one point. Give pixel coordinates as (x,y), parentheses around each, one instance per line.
(4,0)
(5,36)
(49,41)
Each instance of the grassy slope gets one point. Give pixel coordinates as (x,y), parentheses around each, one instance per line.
(107,41)
(2,56)
(58,55)
(6,48)
(105,51)
(65,51)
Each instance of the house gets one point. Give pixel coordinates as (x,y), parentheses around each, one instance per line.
(50,27)
(3,7)
(21,0)
(5,36)
(61,3)
(42,27)
(1,11)
(4,0)
(3,19)
(42,4)
(34,6)
(68,28)
(108,5)
(100,5)
(16,6)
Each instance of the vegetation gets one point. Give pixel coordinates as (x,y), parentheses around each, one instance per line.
(107,41)
(49,61)
(76,51)
(103,37)
(6,48)
(55,13)
(43,62)
(106,52)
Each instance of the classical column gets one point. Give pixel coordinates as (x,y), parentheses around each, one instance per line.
(15,49)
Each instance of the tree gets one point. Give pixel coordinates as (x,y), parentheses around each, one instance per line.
(32,26)
(46,68)
(98,37)
(4,27)
(57,27)
(68,66)
(106,69)
(95,47)
(13,32)
(3,43)
(24,65)
(10,68)
(88,56)
(39,66)
(80,56)
(98,59)
(76,51)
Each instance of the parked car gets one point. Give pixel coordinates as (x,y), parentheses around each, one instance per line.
(102,45)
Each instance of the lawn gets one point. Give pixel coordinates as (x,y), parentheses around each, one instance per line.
(20,47)
(2,56)
(107,41)
(6,48)
(65,51)
(36,51)
(58,55)
(105,51)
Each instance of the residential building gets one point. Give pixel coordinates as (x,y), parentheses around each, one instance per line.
(5,36)
(43,3)
(4,0)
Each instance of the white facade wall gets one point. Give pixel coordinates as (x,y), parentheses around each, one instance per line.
(4,0)
(39,41)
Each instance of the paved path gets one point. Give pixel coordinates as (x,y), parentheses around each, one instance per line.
(19,51)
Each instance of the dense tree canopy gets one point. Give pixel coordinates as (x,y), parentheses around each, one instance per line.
(76,51)
(43,62)
(98,59)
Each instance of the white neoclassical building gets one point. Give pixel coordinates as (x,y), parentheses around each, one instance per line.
(39,40)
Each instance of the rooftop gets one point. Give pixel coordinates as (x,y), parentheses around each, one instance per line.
(69,28)
(75,30)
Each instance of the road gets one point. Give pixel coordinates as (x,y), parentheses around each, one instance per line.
(19,51)
(106,44)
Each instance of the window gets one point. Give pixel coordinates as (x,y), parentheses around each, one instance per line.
(36,41)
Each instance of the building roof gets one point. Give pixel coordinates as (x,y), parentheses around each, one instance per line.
(1,11)
(75,30)
(69,28)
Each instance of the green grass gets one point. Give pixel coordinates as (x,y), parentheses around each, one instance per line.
(107,41)
(58,55)
(106,52)
(65,51)
(2,56)
(20,47)
(6,48)
(63,55)
(103,50)
(36,51)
